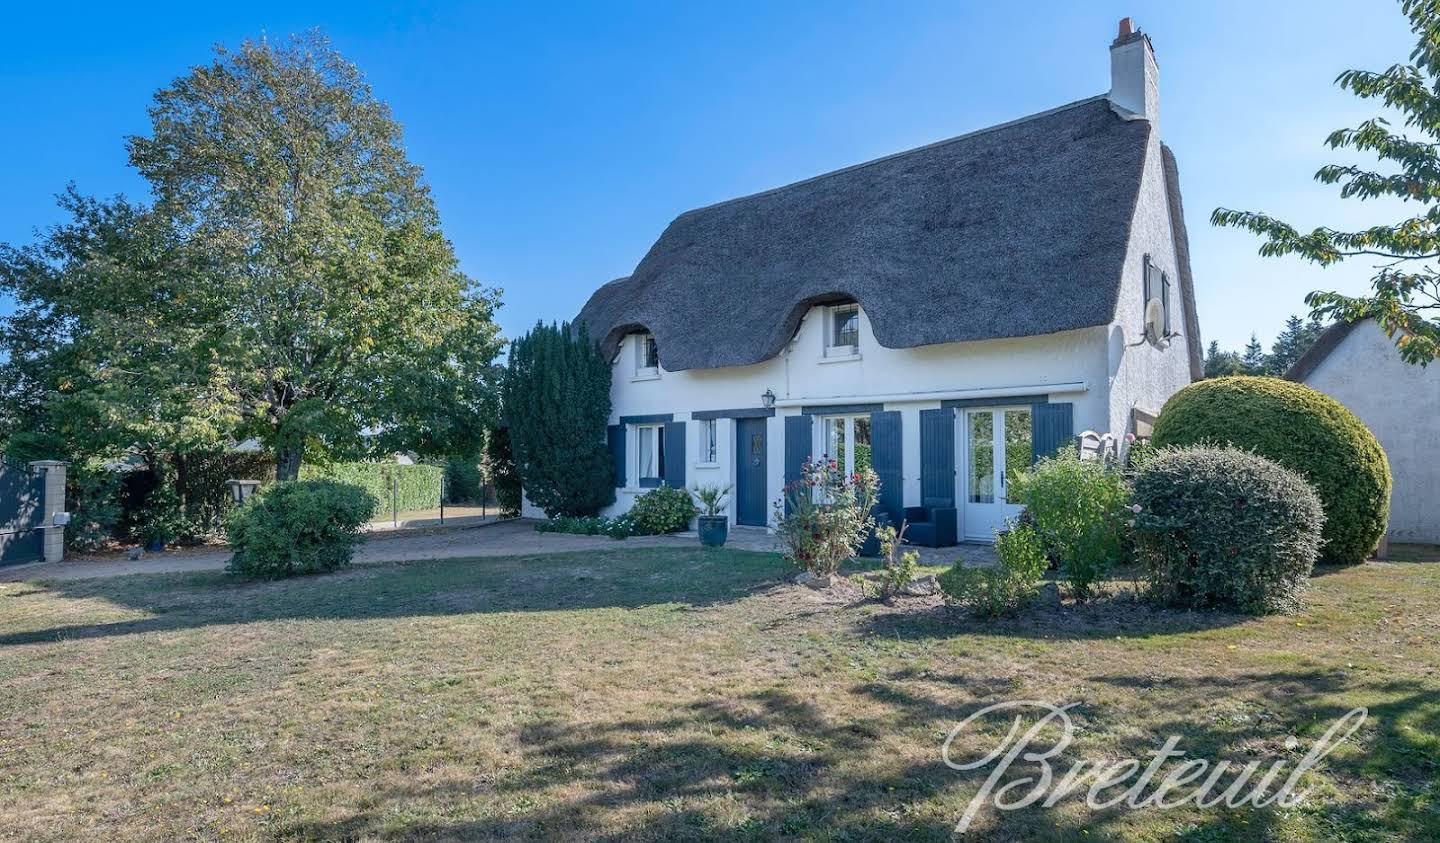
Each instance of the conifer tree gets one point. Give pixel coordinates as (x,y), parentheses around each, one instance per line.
(556,399)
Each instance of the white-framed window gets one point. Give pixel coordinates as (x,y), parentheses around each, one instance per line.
(708,452)
(1157,286)
(842,330)
(650,454)
(846,439)
(647,356)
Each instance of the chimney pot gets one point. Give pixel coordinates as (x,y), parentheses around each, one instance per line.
(1126,27)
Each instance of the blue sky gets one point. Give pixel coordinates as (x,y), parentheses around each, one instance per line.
(560,140)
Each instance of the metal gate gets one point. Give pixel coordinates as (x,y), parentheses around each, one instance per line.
(22,514)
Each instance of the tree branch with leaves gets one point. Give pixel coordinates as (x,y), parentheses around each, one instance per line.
(1405,290)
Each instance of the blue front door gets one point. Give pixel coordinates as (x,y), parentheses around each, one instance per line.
(750,492)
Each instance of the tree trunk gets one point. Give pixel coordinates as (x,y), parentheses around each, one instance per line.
(287,463)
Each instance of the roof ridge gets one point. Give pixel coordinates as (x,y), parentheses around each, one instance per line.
(936,144)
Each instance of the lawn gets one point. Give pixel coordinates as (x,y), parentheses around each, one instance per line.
(666,694)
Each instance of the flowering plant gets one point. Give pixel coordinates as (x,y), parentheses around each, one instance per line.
(824,517)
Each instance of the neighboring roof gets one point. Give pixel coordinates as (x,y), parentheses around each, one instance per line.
(1328,341)
(1016,230)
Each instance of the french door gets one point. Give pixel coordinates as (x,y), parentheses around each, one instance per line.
(997,444)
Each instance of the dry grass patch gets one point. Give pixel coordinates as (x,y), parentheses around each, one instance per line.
(668,694)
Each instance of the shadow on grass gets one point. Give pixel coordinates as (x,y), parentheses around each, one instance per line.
(552,582)
(774,765)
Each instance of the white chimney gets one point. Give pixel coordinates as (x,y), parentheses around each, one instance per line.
(1134,76)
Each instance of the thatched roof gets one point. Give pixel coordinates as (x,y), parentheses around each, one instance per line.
(1016,230)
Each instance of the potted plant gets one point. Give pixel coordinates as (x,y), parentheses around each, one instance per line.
(714,527)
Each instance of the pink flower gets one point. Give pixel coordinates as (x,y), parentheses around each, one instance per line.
(1135,508)
(1129,437)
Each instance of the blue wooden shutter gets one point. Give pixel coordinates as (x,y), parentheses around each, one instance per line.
(1051,427)
(937,456)
(615,437)
(886,458)
(798,442)
(675,455)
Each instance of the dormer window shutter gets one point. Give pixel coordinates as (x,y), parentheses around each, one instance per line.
(1149,288)
(1165,299)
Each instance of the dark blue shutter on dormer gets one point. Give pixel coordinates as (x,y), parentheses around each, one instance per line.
(886,458)
(675,455)
(1165,299)
(615,438)
(1051,427)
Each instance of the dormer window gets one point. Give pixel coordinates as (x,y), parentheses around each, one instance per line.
(647,357)
(842,330)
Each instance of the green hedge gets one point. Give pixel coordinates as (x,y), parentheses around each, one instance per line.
(1303,430)
(1224,528)
(303,527)
(419,485)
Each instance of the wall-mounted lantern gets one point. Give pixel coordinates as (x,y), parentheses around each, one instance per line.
(241,490)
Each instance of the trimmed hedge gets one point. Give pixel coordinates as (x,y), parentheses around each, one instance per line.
(663,510)
(1224,528)
(419,485)
(1303,430)
(297,527)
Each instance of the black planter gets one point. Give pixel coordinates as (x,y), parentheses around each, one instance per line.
(713,530)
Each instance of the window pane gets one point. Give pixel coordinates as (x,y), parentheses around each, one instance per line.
(651,354)
(862,444)
(708,444)
(846,326)
(835,439)
(659,455)
(647,452)
(1018,451)
(982,458)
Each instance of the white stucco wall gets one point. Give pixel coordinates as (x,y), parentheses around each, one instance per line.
(801,375)
(1143,375)
(1400,404)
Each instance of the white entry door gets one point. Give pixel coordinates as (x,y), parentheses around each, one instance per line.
(996,445)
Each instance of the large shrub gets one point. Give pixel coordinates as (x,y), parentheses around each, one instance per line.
(1003,589)
(824,516)
(298,527)
(1078,510)
(556,397)
(392,485)
(1303,430)
(1224,528)
(662,510)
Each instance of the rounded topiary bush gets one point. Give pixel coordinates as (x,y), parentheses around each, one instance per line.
(662,510)
(1303,430)
(1224,528)
(298,527)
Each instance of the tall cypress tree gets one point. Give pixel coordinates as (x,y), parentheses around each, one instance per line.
(1289,344)
(556,397)
(1254,357)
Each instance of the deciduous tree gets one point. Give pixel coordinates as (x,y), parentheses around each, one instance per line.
(1405,290)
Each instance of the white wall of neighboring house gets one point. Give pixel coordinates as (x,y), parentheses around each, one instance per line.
(1400,403)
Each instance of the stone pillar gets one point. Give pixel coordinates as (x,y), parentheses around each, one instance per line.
(54,473)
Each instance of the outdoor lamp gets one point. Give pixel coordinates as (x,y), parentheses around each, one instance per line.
(241,490)
(768,399)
